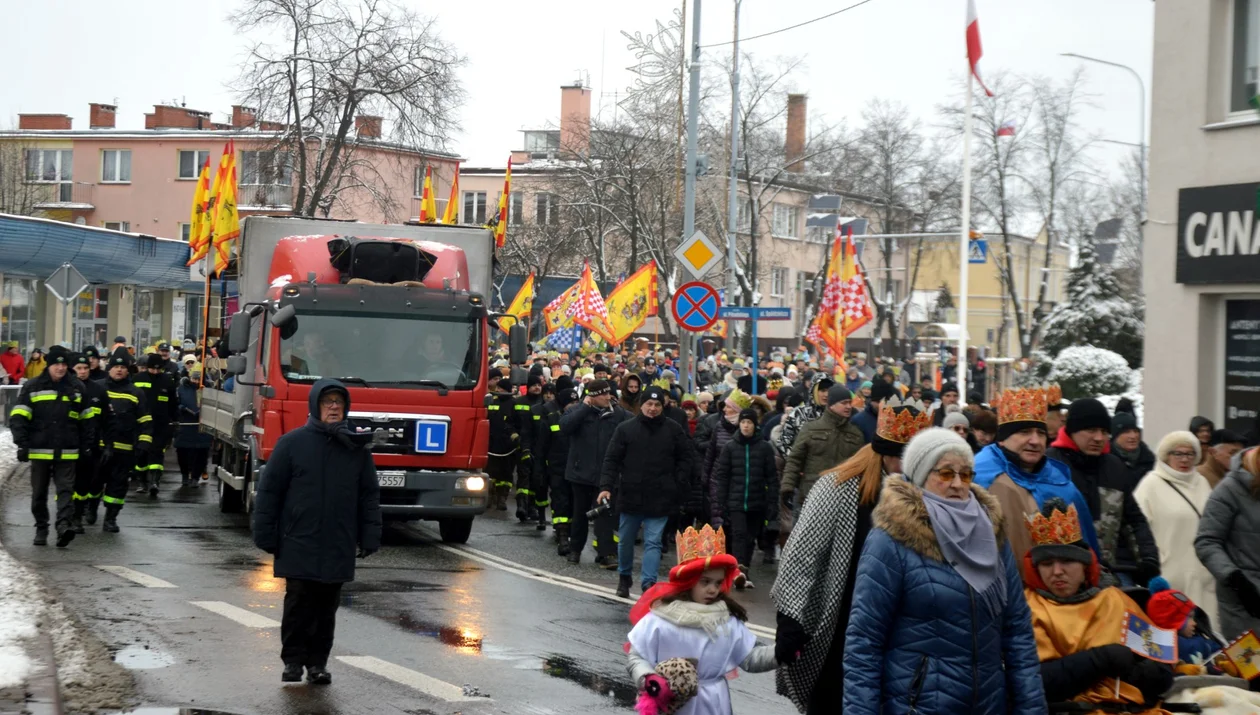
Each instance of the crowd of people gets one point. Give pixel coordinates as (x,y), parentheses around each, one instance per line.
(935,556)
(92,425)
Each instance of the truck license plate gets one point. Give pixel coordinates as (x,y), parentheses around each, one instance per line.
(391,479)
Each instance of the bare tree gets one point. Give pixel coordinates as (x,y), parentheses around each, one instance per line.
(17,195)
(342,59)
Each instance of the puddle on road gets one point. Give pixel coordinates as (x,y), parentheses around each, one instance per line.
(464,640)
(613,687)
(138,657)
(390,586)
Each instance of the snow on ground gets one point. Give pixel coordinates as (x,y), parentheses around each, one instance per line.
(90,679)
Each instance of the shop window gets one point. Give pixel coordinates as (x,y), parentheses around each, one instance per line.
(17,313)
(147,319)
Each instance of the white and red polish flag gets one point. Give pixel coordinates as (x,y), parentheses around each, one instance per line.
(973,44)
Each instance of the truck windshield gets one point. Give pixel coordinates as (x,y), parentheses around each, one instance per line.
(384,350)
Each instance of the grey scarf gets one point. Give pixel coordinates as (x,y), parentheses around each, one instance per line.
(965,535)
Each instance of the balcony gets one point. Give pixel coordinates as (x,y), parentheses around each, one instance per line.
(72,195)
(264,196)
(415,208)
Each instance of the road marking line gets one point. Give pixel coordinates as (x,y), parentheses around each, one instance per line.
(404,676)
(568,582)
(139,577)
(240,615)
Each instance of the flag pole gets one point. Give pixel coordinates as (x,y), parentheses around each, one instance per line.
(964,238)
(205,321)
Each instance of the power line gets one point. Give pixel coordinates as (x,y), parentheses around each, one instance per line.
(793,27)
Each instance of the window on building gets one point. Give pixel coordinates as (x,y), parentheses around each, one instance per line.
(417,182)
(474,207)
(743,215)
(91,317)
(116,166)
(190,163)
(542,142)
(49,165)
(516,209)
(547,209)
(778,282)
(266,168)
(17,313)
(124,226)
(1245,76)
(184,230)
(785,220)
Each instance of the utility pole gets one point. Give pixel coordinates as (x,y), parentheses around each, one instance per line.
(732,209)
(689,187)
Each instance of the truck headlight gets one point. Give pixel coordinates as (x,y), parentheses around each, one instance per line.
(472,484)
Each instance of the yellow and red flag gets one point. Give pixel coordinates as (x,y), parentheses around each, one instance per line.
(198,248)
(451,215)
(500,228)
(556,314)
(227,222)
(428,204)
(588,309)
(631,302)
(719,329)
(845,304)
(521,305)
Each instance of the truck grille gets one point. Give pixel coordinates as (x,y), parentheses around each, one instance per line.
(399,434)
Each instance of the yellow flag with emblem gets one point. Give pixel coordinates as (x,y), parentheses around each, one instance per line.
(521,306)
(227,222)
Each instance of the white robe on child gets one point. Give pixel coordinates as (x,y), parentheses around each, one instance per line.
(657,639)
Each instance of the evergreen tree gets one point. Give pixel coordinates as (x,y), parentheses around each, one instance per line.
(1095,313)
(944,302)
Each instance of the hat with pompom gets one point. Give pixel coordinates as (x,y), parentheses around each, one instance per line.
(1168,607)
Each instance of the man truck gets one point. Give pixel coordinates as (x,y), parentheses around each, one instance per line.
(396,313)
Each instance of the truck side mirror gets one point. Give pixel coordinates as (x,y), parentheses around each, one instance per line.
(286,319)
(236,364)
(519,375)
(518,344)
(238,333)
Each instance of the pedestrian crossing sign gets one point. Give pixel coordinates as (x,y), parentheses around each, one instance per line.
(977,251)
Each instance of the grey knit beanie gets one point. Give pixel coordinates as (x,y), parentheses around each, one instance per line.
(956,418)
(926,449)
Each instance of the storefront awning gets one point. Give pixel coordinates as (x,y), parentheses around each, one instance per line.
(35,247)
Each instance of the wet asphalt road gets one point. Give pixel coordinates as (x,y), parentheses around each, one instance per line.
(503,614)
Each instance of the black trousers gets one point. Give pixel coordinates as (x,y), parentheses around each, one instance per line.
(112,478)
(561,500)
(59,474)
(310,617)
(85,476)
(499,468)
(192,461)
(746,526)
(605,524)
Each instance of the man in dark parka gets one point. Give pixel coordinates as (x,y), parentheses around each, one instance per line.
(318,507)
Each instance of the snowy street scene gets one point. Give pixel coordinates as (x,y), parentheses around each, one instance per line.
(683,357)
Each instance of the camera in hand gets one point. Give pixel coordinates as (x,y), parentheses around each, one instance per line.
(604,507)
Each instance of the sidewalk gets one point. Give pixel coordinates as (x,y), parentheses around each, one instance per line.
(42,648)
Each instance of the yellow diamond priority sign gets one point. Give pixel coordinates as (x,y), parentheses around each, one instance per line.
(698,255)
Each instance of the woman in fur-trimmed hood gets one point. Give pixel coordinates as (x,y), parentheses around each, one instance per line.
(939,621)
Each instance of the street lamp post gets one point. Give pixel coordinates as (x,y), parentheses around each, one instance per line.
(1141,115)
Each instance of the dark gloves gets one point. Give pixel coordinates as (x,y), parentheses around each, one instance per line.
(23,455)
(1246,590)
(1113,660)
(1151,677)
(789,640)
(107,453)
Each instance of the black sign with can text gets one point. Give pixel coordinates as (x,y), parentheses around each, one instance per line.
(1242,364)
(1218,234)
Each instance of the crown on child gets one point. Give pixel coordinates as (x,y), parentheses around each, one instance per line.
(898,423)
(1059,529)
(702,544)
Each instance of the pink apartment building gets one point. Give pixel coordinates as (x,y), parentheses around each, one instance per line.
(141,181)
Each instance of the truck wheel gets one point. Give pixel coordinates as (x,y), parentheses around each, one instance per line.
(455,531)
(229,499)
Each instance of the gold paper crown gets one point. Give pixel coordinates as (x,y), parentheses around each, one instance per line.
(1057,530)
(1054,395)
(1023,405)
(899,425)
(701,544)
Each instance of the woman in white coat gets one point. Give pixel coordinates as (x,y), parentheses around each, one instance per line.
(1172,496)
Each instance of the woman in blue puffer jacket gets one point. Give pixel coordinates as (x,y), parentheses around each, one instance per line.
(939,623)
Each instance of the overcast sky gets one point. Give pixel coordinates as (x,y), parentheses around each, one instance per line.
(63,54)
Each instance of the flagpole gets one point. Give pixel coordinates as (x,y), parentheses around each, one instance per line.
(205,321)
(964,237)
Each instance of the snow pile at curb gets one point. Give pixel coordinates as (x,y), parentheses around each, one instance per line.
(90,680)
(20,599)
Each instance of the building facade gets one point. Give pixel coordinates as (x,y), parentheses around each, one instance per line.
(1201,271)
(141,182)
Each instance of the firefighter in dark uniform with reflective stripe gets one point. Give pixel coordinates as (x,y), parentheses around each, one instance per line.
(162,400)
(504,441)
(552,449)
(50,432)
(96,410)
(96,373)
(526,508)
(128,439)
(539,480)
